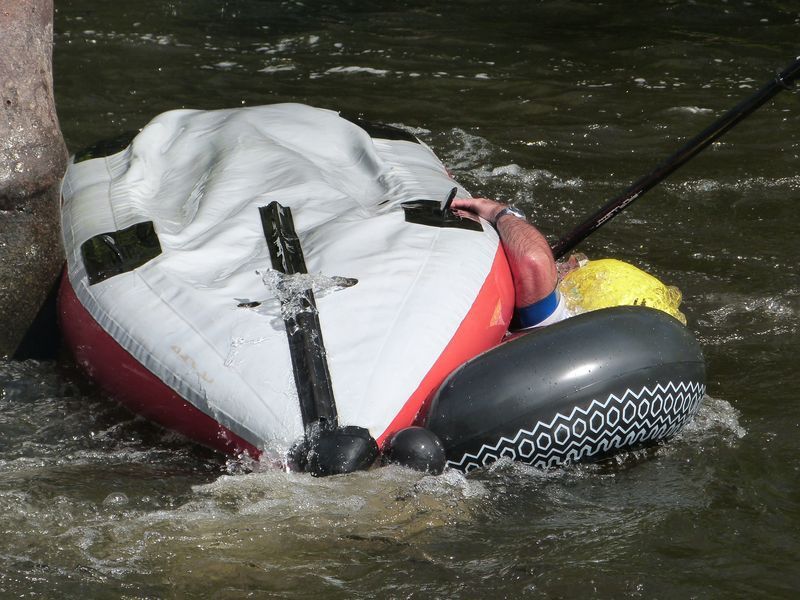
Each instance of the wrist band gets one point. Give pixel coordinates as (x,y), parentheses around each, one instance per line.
(534,314)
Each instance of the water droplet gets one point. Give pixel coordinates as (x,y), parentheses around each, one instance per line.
(115,499)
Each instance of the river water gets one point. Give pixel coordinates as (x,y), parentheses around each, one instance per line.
(555,105)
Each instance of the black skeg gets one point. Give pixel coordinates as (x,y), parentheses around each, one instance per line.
(704,139)
(309,361)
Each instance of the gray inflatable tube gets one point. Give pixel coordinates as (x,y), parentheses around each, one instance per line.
(579,390)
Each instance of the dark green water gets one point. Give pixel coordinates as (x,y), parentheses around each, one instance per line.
(554,105)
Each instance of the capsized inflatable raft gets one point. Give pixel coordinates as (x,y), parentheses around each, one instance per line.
(284,282)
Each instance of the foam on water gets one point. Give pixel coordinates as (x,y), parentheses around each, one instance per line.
(692,110)
(274,512)
(472,156)
(738,316)
(351,70)
(143,517)
(296,491)
(281,68)
(716,419)
(743,184)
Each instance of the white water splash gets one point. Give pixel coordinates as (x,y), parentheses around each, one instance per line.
(716,418)
(749,183)
(692,110)
(739,316)
(354,69)
(474,152)
(290,290)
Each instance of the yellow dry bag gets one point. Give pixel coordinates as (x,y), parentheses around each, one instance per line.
(609,282)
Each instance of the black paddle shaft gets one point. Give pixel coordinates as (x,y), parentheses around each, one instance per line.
(784,81)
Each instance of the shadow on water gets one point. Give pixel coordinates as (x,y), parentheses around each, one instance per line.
(43,339)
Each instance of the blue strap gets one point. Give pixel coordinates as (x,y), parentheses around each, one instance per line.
(531,315)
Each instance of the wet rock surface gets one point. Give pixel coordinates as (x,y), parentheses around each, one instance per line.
(32,161)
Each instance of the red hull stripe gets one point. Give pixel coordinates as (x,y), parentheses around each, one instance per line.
(484,326)
(130,383)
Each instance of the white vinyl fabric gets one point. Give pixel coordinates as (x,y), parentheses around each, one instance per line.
(201,176)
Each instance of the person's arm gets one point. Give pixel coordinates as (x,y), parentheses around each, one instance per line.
(529,256)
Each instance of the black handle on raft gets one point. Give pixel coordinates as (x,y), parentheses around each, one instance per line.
(449,200)
(783,81)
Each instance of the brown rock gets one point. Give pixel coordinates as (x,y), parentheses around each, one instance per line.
(32,162)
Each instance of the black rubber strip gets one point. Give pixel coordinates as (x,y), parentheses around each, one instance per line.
(115,252)
(309,360)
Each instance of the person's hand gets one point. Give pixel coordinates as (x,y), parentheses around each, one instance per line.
(482,207)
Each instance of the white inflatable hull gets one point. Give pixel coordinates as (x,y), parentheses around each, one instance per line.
(193,336)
